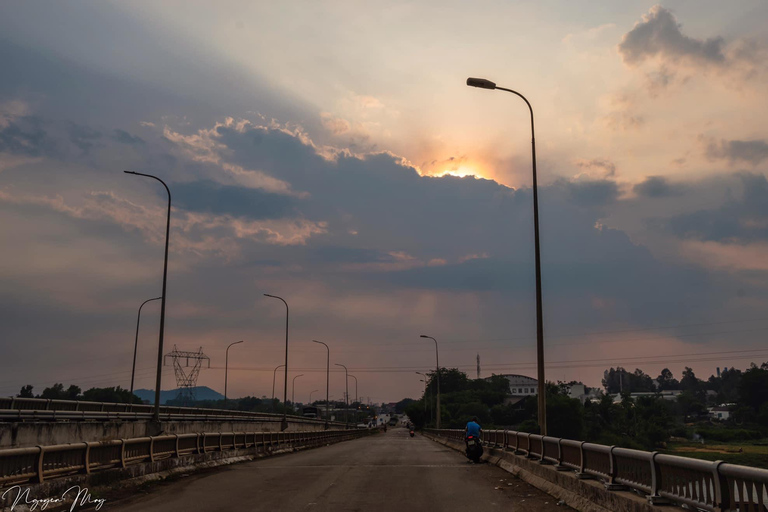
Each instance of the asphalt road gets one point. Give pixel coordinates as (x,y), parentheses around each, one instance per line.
(388,471)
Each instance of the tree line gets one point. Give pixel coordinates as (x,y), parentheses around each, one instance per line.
(643,422)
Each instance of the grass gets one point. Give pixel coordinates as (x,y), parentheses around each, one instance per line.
(753,453)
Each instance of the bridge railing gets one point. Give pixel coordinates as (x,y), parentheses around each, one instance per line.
(41,409)
(704,485)
(41,463)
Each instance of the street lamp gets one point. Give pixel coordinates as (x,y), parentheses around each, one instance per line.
(226,368)
(274,373)
(487,84)
(284,424)
(158,382)
(327,383)
(136,342)
(437,366)
(424,380)
(356,401)
(293,389)
(310,395)
(346,395)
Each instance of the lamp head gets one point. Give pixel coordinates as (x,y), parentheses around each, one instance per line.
(423,336)
(482,83)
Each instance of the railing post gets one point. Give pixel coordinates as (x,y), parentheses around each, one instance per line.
(176,451)
(151,448)
(86,460)
(560,466)
(122,453)
(722,489)
(40,476)
(654,498)
(582,463)
(611,485)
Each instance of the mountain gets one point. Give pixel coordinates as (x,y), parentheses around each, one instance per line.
(201,393)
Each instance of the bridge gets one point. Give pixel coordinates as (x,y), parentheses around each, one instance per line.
(344,468)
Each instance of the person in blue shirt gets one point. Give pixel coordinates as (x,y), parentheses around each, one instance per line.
(473,429)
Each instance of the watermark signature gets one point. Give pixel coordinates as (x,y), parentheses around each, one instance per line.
(81,498)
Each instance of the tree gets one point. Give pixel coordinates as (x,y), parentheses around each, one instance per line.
(26,392)
(753,388)
(55,392)
(667,381)
(114,395)
(690,382)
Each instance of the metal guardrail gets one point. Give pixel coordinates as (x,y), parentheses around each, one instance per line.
(41,409)
(699,484)
(41,463)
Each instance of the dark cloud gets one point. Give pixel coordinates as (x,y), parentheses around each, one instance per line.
(657,186)
(749,151)
(209,196)
(25,136)
(659,34)
(592,193)
(124,137)
(739,220)
(83,137)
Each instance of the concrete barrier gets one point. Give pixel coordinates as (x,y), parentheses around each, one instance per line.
(22,435)
(582,494)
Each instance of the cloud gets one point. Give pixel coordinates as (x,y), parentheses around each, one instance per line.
(675,57)
(209,196)
(25,136)
(736,151)
(660,35)
(589,192)
(657,186)
(124,137)
(335,125)
(741,219)
(605,168)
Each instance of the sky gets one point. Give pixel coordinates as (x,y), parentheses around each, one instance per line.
(330,153)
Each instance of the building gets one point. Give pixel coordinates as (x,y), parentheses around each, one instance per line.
(720,412)
(520,385)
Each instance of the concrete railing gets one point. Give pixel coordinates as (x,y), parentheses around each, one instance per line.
(704,485)
(42,463)
(41,409)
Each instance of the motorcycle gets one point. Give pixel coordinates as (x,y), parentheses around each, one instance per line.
(412,433)
(474,449)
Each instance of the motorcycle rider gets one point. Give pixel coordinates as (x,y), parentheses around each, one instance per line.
(473,429)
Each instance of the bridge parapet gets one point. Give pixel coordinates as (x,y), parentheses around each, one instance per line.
(41,463)
(661,478)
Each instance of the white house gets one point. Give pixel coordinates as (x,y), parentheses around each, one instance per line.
(520,385)
(720,412)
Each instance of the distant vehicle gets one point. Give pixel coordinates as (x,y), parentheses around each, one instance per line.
(311,412)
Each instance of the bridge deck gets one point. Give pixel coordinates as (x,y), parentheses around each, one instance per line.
(383,472)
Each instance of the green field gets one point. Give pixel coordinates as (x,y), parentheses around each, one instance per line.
(754,454)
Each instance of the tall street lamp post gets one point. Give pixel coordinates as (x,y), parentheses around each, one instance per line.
(327,383)
(158,382)
(424,380)
(136,342)
(487,84)
(356,400)
(274,373)
(346,394)
(226,368)
(293,390)
(284,424)
(437,369)
(310,395)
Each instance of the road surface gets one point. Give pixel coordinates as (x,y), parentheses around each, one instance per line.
(387,471)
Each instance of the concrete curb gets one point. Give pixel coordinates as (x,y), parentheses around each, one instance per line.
(582,495)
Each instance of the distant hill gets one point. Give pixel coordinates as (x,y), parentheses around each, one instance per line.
(201,393)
